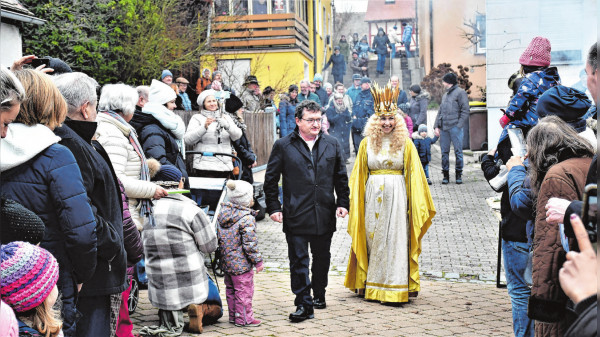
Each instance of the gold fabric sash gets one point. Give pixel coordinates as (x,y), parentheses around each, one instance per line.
(392,172)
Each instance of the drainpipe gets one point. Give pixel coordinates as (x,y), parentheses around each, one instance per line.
(314,19)
(430,35)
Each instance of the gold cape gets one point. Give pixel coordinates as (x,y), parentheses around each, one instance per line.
(420,213)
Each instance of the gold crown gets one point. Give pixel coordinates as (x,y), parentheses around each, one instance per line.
(385,99)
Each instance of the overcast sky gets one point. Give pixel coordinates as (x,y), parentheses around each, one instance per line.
(351,5)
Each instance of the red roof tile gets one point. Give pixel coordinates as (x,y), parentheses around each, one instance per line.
(378,10)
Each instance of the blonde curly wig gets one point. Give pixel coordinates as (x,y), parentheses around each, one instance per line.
(375,134)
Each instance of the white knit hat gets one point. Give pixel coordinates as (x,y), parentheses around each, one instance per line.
(240,192)
(161,93)
(203,95)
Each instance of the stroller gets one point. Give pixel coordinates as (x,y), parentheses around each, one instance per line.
(209,193)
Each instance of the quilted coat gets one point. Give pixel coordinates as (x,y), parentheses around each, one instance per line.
(564,180)
(237,239)
(287,115)
(114,137)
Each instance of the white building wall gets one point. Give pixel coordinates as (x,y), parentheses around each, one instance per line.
(10,44)
(510,26)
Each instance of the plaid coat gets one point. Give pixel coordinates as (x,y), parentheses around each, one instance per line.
(237,239)
(174,251)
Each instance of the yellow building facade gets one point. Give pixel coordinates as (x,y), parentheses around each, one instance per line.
(279,41)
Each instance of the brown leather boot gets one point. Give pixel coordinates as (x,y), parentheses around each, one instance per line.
(196,313)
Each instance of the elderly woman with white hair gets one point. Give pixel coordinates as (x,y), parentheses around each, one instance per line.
(119,139)
(12,94)
(211,130)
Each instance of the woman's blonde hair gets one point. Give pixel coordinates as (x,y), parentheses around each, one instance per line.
(45,319)
(375,134)
(43,104)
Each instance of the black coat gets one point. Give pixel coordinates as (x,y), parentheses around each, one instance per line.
(309,182)
(513,227)
(158,142)
(586,324)
(244,151)
(423,146)
(102,188)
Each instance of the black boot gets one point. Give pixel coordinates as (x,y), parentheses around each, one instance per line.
(458,178)
(302,313)
(446,179)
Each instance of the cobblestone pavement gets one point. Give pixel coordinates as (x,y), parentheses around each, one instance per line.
(458,268)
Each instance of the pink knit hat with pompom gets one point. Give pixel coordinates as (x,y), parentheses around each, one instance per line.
(29,273)
(537,53)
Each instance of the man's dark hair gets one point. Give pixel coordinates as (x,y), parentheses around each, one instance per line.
(592,58)
(308,105)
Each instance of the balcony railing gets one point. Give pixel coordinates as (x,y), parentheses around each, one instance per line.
(263,31)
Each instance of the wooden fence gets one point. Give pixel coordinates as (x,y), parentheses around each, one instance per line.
(260,133)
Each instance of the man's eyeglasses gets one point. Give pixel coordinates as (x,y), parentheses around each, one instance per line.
(312,121)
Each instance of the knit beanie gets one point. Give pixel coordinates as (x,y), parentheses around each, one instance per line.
(29,273)
(422,128)
(568,104)
(203,95)
(415,88)
(233,104)
(161,93)
(59,66)
(165,73)
(168,172)
(450,78)
(293,87)
(318,77)
(240,192)
(20,224)
(537,53)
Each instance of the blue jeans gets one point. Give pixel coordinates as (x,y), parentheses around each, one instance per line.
(407,46)
(426,169)
(454,135)
(380,62)
(393,52)
(515,261)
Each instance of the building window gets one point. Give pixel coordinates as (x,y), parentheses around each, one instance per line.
(480,47)
(239,7)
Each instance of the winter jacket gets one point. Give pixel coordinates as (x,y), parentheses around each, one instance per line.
(202,83)
(192,96)
(364,107)
(238,241)
(250,100)
(158,142)
(409,124)
(454,109)
(358,64)
(423,145)
(418,109)
(114,137)
(217,138)
(407,34)
(586,324)
(311,96)
(132,239)
(323,98)
(344,49)
(362,48)
(174,251)
(244,151)
(101,186)
(353,93)
(514,227)
(380,43)
(309,181)
(339,64)
(339,123)
(287,115)
(393,36)
(44,177)
(522,108)
(564,180)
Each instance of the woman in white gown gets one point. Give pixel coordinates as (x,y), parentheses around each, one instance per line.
(390,208)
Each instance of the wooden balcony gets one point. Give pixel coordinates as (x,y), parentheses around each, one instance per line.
(264,31)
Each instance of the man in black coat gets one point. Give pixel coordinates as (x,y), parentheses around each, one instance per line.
(100,182)
(313,168)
